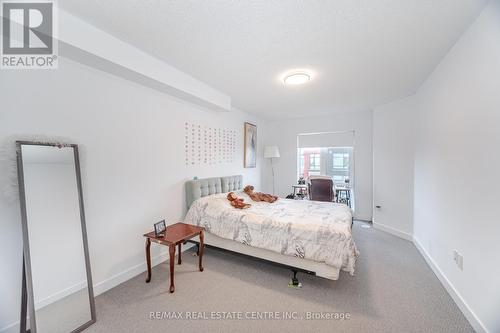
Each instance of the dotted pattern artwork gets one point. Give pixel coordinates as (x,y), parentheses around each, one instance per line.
(209,145)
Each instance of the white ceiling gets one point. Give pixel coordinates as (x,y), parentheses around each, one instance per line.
(363,53)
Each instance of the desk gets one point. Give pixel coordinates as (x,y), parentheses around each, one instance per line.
(302,190)
(343,195)
(175,235)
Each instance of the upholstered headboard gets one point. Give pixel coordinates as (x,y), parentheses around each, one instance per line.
(199,188)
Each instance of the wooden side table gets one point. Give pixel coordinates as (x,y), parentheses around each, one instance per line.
(175,235)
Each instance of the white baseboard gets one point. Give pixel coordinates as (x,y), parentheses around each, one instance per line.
(11,328)
(110,282)
(119,278)
(131,272)
(455,295)
(60,295)
(127,274)
(393,231)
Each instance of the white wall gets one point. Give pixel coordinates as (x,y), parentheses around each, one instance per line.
(457,163)
(284,133)
(393,135)
(132,158)
(450,131)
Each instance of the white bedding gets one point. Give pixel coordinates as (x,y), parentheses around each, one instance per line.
(318,231)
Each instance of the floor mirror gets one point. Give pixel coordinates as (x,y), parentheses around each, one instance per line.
(57,294)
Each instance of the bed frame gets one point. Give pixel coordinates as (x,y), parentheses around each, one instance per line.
(199,188)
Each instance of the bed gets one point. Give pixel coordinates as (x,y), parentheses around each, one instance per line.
(312,236)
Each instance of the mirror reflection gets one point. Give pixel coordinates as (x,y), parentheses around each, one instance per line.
(58,271)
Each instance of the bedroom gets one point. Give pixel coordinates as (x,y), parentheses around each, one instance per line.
(405,91)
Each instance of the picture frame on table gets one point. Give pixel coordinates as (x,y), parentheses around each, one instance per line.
(160,228)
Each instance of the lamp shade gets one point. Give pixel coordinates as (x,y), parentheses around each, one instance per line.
(271,152)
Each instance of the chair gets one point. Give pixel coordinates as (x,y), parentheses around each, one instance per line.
(321,188)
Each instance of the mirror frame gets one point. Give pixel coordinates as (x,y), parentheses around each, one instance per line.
(27,301)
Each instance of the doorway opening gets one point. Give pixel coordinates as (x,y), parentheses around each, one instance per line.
(329,154)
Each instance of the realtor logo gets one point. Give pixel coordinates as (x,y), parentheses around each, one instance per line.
(28,35)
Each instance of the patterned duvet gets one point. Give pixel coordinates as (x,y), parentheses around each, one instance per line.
(318,231)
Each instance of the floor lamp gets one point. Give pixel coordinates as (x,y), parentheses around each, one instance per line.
(272,152)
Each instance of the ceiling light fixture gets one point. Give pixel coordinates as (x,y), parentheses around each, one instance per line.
(296,78)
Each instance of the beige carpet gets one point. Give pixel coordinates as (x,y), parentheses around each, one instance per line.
(393,290)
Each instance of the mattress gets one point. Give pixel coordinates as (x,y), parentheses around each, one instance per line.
(312,230)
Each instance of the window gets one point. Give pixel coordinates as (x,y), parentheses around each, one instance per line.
(340,166)
(338,179)
(341,161)
(314,162)
(328,154)
(309,162)
(327,161)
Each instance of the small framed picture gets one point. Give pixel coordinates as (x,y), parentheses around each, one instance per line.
(160,228)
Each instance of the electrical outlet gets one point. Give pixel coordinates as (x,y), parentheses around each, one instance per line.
(458,259)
